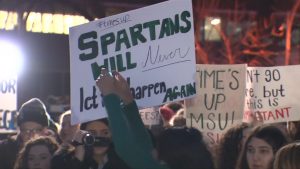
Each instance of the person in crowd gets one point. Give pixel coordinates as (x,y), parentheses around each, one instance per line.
(294,130)
(178,120)
(231,145)
(168,111)
(283,127)
(260,148)
(174,106)
(67,131)
(37,153)
(32,120)
(288,157)
(92,149)
(177,148)
(183,147)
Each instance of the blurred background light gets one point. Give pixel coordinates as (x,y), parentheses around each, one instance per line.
(215,21)
(11,60)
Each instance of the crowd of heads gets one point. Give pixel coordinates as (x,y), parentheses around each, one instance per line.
(243,146)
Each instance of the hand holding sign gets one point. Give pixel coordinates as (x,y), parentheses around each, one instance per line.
(106,82)
(114,83)
(122,88)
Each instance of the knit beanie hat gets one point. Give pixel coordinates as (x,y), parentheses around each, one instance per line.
(33,110)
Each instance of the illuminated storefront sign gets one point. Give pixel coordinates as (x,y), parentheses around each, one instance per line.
(41,22)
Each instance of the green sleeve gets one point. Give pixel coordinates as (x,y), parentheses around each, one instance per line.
(137,126)
(136,157)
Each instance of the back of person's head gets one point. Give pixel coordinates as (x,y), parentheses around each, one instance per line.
(230,146)
(184,148)
(23,156)
(178,120)
(168,110)
(175,106)
(269,134)
(288,157)
(294,130)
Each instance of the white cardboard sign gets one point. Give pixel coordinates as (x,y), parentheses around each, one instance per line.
(220,99)
(152,47)
(273,93)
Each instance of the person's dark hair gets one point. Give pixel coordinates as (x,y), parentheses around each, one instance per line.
(294,130)
(230,146)
(22,160)
(184,148)
(270,134)
(84,125)
(288,157)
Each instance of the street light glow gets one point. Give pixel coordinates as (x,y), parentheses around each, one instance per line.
(11,60)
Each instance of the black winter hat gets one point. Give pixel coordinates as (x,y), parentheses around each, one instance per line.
(33,110)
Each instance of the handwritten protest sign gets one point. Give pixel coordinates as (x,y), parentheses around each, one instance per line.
(8,102)
(150,116)
(273,93)
(150,49)
(220,99)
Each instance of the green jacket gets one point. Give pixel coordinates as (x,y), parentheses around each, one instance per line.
(131,139)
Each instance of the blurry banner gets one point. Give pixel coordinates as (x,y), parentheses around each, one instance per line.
(7,121)
(8,94)
(150,116)
(272,94)
(152,47)
(8,103)
(220,99)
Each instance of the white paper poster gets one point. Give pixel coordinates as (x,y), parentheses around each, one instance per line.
(219,103)
(154,51)
(272,94)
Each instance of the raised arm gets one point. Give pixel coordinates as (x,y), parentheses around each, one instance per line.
(132,115)
(135,154)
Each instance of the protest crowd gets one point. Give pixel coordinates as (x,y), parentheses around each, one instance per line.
(232,126)
(122,141)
